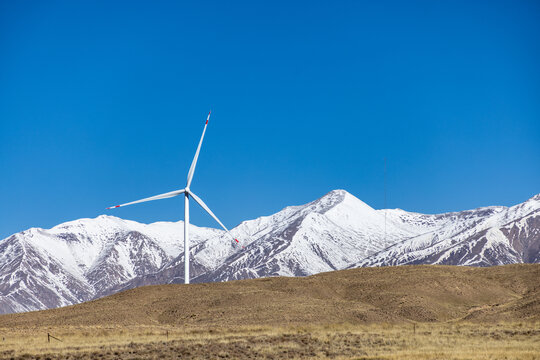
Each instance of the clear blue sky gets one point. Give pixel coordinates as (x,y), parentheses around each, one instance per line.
(104,102)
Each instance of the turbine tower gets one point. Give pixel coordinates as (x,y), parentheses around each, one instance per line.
(187,194)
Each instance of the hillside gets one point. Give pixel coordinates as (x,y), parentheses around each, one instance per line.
(364,295)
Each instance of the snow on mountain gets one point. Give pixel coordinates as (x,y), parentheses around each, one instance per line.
(88,258)
(482,237)
(327,234)
(84,259)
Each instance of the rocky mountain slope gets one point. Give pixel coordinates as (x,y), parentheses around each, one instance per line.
(89,258)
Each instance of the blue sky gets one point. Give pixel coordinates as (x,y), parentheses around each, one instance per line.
(103,102)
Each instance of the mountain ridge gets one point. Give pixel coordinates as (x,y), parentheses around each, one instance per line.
(85,259)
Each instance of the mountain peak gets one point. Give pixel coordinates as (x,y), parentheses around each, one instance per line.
(340,192)
(335,196)
(328,201)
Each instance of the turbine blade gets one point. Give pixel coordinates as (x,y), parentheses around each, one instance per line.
(194,162)
(205,207)
(157,197)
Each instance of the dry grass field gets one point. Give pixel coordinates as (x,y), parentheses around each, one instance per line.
(344,341)
(408,312)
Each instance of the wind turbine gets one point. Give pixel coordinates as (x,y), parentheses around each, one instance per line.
(187,194)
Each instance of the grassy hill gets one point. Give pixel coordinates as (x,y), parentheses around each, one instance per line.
(365,295)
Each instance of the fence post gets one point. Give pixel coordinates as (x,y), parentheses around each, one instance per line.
(49,336)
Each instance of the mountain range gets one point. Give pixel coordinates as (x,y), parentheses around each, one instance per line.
(86,259)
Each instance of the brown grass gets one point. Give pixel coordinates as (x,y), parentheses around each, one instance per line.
(337,341)
(459,313)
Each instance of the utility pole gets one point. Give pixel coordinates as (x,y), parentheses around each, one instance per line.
(385,206)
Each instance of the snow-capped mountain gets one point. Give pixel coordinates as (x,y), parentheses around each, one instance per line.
(487,236)
(88,258)
(84,259)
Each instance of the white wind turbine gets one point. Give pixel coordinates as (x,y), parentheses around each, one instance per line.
(187,193)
